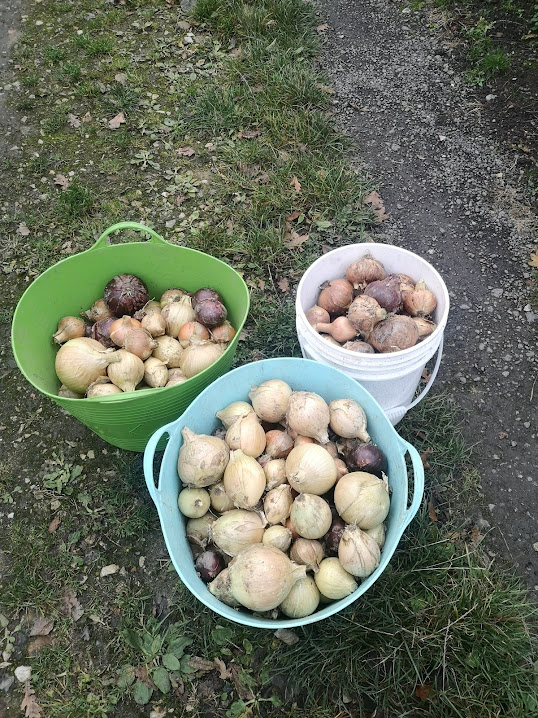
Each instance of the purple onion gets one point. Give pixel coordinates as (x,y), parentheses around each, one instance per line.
(125,294)
(210,312)
(386,292)
(208,565)
(205,293)
(100,331)
(367,457)
(333,536)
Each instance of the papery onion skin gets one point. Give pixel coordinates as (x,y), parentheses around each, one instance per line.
(220,501)
(193,503)
(359,347)
(224,333)
(121,327)
(275,473)
(140,343)
(378,534)
(197,530)
(278,444)
(308,415)
(202,459)
(155,372)
(97,390)
(172,295)
(395,333)
(336,296)
(277,536)
(307,552)
(208,565)
(244,480)
(425,327)
(420,302)
(277,504)
(270,400)
(125,294)
(365,270)
(333,581)
(341,330)
(66,393)
(302,600)
(169,350)
(177,314)
(154,323)
(69,328)
(311,469)
(362,499)
(98,310)
(232,412)
(316,315)
(198,356)
(364,313)
(358,552)
(310,516)
(348,419)
(80,361)
(127,372)
(237,529)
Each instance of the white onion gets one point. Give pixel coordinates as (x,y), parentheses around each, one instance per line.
(333,581)
(80,361)
(310,516)
(308,415)
(237,529)
(270,400)
(244,480)
(357,552)
(202,459)
(362,499)
(302,600)
(311,469)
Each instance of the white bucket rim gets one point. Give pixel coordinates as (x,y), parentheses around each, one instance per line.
(370,246)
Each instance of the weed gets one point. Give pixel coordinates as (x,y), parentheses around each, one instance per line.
(54,54)
(54,121)
(94,46)
(75,202)
(71,72)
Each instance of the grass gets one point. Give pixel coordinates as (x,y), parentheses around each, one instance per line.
(443,633)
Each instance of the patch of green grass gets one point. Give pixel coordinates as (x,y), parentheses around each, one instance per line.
(94,46)
(75,202)
(71,72)
(54,54)
(54,121)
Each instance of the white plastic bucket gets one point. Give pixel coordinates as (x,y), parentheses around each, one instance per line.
(391,378)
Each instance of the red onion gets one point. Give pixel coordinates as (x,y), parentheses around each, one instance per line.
(125,294)
(208,565)
(386,292)
(100,331)
(333,536)
(205,293)
(210,312)
(366,457)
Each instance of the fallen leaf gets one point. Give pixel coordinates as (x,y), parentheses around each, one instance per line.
(249,134)
(284,285)
(62,181)
(295,183)
(286,636)
(261,284)
(533,261)
(29,705)
(424,458)
(201,664)
(37,644)
(109,570)
(423,692)
(54,524)
(378,206)
(121,77)
(296,239)
(101,86)
(243,336)
(263,178)
(186,152)
(23,230)
(431,512)
(71,605)
(294,215)
(73,120)
(325,88)
(42,626)
(87,117)
(322,27)
(115,122)
(476,537)
(503,435)
(224,673)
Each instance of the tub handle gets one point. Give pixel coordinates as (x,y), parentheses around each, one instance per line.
(154,237)
(432,376)
(418,491)
(154,491)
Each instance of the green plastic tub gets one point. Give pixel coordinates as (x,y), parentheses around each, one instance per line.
(71,286)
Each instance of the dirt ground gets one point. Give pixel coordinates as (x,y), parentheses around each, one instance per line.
(452,180)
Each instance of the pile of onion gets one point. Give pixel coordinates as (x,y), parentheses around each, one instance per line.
(152,344)
(371,311)
(281,520)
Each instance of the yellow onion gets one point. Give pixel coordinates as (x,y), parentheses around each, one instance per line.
(192,330)
(223,333)
(202,459)
(378,534)
(237,529)
(100,389)
(154,323)
(121,327)
(270,400)
(244,480)
(198,356)
(311,469)
(362,499)
(365,270)
(220,588)
(278,444)
(357,552)
(278,537)
(275,473)
(171,295)
(303,440)
(69,328)
(80,361)
(348,419)
(307,552)
(310,516)
(341,468)
(308,415)
(140,343)
(169,350)
(425,327)
(420,301)
(220,501)
(197,530)
(175,376)
(232,412)
(127,372)
(302,600)
(193,503)
(261,577)
(247,434)
(333,581)
(176,314)
(155,372)
(68,394)
(277,504)
(98,310)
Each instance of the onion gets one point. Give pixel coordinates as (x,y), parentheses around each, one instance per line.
(261,577)
(220,588)
(247,434)
(202,459)
(66,393)
(193,503)
(125,294)
(155,372)
(317,315)
(357,552)
(311,469)
(205,293)
(348,420)
(70,328)
(275,473)
(98,310)
(394,334)
(307,552)
(140,343)
(100,331)
(341,330)
(366,457)
(420,302)
(80,361)
(208,565)
(278,537)
(169,351)
(378,534)
(223,333)
(310,516)
(172,295)
(407,284)
(360,347)
(270,399)
(220,501)
(97,389)
(386,292)
(127,372)
(333,581)
(154,323)
(334,535)
(176,314)
(244,480)
(192,330)
(149,308)
(121,327)
(237,529)
(232,412)
(175,376)
(197,530)
(364,313)
(302,600)
(365,270)
(341,469)
(362,499)
(308,415)
(336,296)
(424,326)
(198,356)
(278,444)
(210,312)
(277,504)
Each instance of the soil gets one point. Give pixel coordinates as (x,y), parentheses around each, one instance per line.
(452,180)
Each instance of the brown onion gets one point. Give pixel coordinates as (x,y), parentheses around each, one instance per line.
(154,323)
(366,457)
(386,292)
(125,294)
(223,333)
(359,347)
(279,444)
(192,330)
(140,343)
(407,283)
(151,307)
(98,310)
(420,302)
(394,334)
(205,293)
(424,326)
(365,270)
(210,312)
(121,327)
(364,313)
(342,330)
(336,296)
(317,315)
(69,328)
(100,331)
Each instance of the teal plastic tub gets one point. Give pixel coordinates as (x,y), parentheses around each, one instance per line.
(301,375)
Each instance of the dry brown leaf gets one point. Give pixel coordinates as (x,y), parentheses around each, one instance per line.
(42,626)
(284,285)
(294,215)
(431,512)
(186,152)
(533,261)
(424,458)
(37,644)
(224,673)
(71,605)
(201,664)
(322,27)
(423,692)
(262,179)
(23,230)
(73,120)
(261,284)
(121,77)
(295,183)
(296,239)
(249,134)
(29,705)
(54,524)
(325,88)
(115,122)
(87,117)
(476,537)
(61,181)
(378,206)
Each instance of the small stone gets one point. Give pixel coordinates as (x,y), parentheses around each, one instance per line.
(91,454)
(489,98)
(109,570)
(23,673)
(497,293)
(535,546)
(188,40)
(39,22)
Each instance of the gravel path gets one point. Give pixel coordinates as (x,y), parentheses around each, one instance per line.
(451,195)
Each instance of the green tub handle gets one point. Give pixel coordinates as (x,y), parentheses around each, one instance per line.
(154,237)
(418,471)
(149,453)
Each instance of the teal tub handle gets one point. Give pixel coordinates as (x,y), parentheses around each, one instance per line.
(149,453)
(418,471)
(154,237)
